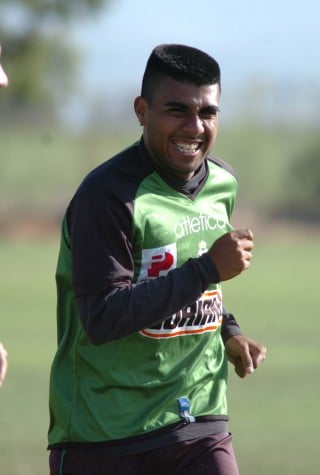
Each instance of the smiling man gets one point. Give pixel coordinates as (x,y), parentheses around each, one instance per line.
(138,383)
(180,124)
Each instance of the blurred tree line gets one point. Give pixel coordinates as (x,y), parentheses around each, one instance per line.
(38,54)
(41,61)
(301,197)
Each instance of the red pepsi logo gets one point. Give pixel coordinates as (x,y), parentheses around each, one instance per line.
(162,262)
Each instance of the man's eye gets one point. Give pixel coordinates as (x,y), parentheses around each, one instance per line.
(209,113)
(177,111)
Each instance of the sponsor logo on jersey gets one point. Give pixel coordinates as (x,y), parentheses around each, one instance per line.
(158,261)
(192,225)
(204,315)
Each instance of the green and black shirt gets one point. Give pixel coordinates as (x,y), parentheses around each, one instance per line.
(140,314)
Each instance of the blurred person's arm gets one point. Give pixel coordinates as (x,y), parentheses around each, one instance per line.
(3,363)
(3,77)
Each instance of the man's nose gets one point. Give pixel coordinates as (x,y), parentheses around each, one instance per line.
(193,124)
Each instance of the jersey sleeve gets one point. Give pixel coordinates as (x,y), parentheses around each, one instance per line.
(100,244)
(230,326)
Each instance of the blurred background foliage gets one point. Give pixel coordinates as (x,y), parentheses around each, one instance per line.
(272,143)
(41,60)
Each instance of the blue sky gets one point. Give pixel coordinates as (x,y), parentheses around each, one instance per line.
(252,37)
(275,39)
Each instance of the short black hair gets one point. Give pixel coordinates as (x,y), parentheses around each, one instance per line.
(181,63)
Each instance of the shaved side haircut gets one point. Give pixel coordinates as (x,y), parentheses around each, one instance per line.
(181,63)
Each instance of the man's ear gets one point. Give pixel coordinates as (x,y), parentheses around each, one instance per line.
(140,108)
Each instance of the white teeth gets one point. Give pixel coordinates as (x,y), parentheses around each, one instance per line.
(187,147)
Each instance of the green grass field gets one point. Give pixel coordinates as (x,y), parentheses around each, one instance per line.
(274,413)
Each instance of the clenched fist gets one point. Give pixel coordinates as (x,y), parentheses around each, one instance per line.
(231,253)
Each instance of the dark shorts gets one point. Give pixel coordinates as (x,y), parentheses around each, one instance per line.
(209,455)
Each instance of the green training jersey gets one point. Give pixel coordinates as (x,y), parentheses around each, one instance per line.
(141,241)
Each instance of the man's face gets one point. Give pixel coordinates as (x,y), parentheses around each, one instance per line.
(3,76)
(180,124)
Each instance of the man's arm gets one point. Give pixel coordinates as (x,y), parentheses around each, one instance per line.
(126,309)
(3,363)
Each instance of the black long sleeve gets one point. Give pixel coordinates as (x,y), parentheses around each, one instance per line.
(230,326)
(128,309)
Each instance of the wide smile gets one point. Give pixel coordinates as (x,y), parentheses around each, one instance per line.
(187,147)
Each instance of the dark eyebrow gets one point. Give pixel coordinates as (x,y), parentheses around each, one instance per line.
(177,104)
(211,109)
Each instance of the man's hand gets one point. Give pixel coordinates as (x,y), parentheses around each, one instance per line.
(245,354)
(231,253)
